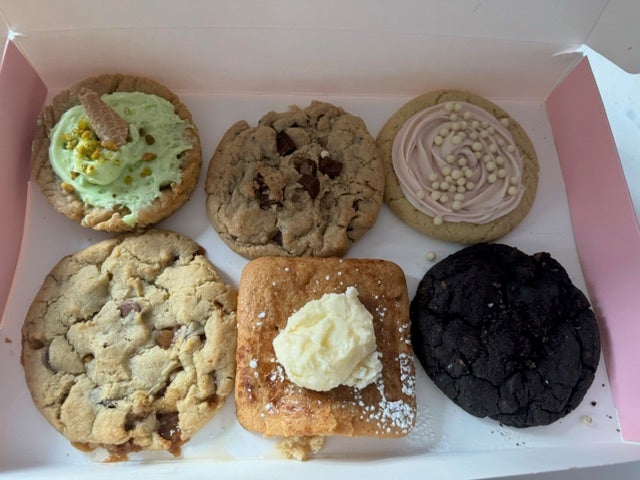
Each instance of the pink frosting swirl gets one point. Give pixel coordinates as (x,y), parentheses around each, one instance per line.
(458,163)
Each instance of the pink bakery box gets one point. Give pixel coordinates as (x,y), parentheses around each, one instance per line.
(233,60)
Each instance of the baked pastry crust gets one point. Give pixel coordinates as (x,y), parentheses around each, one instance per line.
(110,219)
(306,182)
(460,232)
(130,343)
(271,288)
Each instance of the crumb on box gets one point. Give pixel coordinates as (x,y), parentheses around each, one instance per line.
(7,340)
(301,447)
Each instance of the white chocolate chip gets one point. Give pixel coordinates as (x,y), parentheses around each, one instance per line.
(456,140)
(462,161)
(468,173)
(444,185)
(473,136)
(457,107)
(445,171)
(455,126)
(491,166)
(514,180)
(444,198)
(435,185)
(437,220)
(483,134)
(324,154)
(476,147)
(456,205)
(511,148)
(467,115)
(502,173)
(493,148)
(487,158)
(512,190)
(505,121)
(491,130)
(453,117)
(431,256)
(459,197)
(444,132)
(470,185)
(450,158)
(435,195)
(452,189)
(461,181)
(500,160)
(448,178)
(463,124)
(438,140)
(456,174)
(475,124)
(492,178)
(448,106)
(461,189)
(420,194)
(433,177)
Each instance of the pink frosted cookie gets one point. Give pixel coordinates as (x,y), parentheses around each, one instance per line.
(458,167)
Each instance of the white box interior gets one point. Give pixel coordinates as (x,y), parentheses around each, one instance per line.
(237,60)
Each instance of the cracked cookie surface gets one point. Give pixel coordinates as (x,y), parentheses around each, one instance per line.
(307,182)
(505,335)
(130,344)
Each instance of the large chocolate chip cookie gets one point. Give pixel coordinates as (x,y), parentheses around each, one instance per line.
(505,335)
(307,182)
(130,344)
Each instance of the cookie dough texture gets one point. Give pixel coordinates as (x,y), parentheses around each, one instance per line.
(306,182)
(267,402)
(130,344)
(460,232)
(505,335)
(110,219)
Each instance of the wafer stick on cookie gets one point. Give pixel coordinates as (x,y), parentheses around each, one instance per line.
(108,125)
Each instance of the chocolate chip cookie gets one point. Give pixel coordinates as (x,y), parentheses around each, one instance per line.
(116,153)
(458,167)
(130,344)
(306,182)
(505,335)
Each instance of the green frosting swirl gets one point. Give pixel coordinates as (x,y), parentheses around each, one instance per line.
(132,175)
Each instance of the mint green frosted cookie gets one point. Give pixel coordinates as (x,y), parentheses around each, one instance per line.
(127,181)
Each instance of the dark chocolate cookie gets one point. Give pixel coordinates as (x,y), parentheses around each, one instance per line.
(505,335)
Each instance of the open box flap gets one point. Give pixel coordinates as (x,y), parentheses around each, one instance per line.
(22,94)
(607,239)
(616,34)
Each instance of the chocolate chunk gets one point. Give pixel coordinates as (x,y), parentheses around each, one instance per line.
(164,337)
(169,429)
(311,184)
(284,144)
(331,168)
(129,306)
(262,193)
(305,166)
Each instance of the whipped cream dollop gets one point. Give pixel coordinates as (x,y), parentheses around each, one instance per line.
(456,162)
(330,342)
